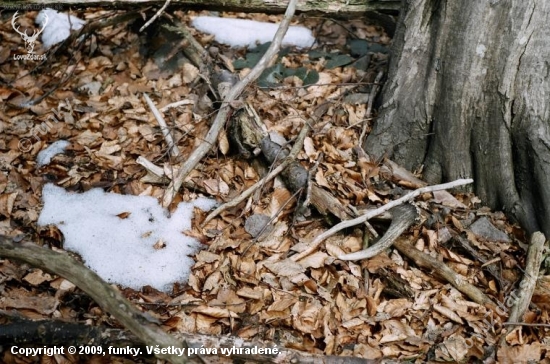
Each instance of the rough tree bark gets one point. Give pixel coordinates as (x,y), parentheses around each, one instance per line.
(467,96)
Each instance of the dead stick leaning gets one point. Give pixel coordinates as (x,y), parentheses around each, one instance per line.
(163,127)
(529,282)
(221,117)
(441,269)
(369,215)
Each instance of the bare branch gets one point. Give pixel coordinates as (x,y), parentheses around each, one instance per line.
(527,286)
(369,215)
(150,21)
(163,127)
(107,297)
(221,117)
(441,269)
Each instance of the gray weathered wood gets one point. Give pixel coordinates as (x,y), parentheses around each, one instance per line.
(348,7)
(467,96)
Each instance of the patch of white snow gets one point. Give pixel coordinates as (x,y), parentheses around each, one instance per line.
(244,32)
(45,156)
(58,26)
(128,240)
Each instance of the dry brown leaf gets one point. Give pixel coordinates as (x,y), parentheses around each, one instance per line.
(206,324)
(207,257)
(223,142)
(306,317)
(309,148)
(37,277)
(446,199)
(253,293)
(216,187)
(395,330)
(6,203)
(315,260)
(396,307)
(520,354)
(124,215)
(109,147)
(448,313)
(213,281)
(217,312)
(334,250)
(282,304)
(88,138)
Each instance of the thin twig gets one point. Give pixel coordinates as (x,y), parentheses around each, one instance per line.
(221,117)
(368,113)
(174,151)
(150,21)
(150,167)
(369,215)
(176,104)
(249,191)
(525,324)
(403,218)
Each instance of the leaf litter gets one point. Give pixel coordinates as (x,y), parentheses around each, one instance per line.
(385,307)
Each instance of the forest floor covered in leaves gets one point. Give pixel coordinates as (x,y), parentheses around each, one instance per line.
(244,283)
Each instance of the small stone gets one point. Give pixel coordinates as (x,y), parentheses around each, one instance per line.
(483,228)
(255,224)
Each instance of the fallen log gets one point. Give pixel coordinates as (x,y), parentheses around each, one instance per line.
(337,7)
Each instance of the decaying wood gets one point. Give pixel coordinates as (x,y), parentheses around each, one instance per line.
(102,293)
(221,117)
(527,286)
(403,217)
(326,202)
(20,331)
(369,215)
(338,7)
(432,264)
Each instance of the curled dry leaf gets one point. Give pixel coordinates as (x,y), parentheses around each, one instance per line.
(285,268)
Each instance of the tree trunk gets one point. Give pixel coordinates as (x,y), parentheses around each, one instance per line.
(467,96)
